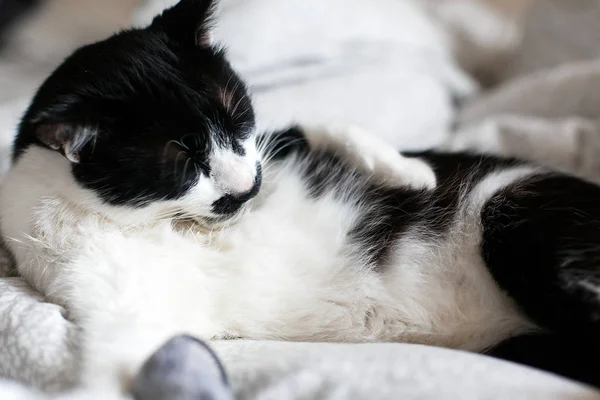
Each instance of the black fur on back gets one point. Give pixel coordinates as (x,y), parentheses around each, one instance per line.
(140,105)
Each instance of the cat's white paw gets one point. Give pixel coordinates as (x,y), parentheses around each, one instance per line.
(403,171)
(369,152)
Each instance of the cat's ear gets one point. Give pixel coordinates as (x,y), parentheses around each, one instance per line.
(68,139)
(189,22)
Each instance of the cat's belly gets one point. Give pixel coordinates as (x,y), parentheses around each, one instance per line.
(281,290)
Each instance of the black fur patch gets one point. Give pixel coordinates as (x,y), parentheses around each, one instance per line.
(283,143)
(541,241)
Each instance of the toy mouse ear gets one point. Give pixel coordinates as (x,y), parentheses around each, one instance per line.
(66,138)
(189,22)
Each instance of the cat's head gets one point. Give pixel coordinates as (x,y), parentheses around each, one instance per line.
(152,115)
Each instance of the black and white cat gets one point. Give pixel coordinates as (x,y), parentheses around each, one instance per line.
(143,200)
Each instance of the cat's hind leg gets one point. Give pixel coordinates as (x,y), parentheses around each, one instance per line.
(541,243)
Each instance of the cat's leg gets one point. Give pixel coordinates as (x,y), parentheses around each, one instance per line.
(363,149)
(541,243)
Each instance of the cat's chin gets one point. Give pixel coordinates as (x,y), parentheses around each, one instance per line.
(225,219)
(208,224)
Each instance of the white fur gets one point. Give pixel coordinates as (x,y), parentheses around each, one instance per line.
(132,279)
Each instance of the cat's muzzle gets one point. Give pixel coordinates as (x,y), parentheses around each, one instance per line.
(232,202)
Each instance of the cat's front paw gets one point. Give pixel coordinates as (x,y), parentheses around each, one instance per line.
(395,170)
(368,152)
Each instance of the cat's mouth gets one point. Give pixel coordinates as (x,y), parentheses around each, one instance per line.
(206,225)
(226,219)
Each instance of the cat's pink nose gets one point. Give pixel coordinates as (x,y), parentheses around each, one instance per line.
(252,190)
(242,184)
(234,175)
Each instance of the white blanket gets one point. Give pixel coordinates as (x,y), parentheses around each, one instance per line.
(551,116)
(385,64)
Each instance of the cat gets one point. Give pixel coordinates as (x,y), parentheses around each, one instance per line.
(142,199)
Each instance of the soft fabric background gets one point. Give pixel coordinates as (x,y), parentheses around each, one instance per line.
(525,74)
